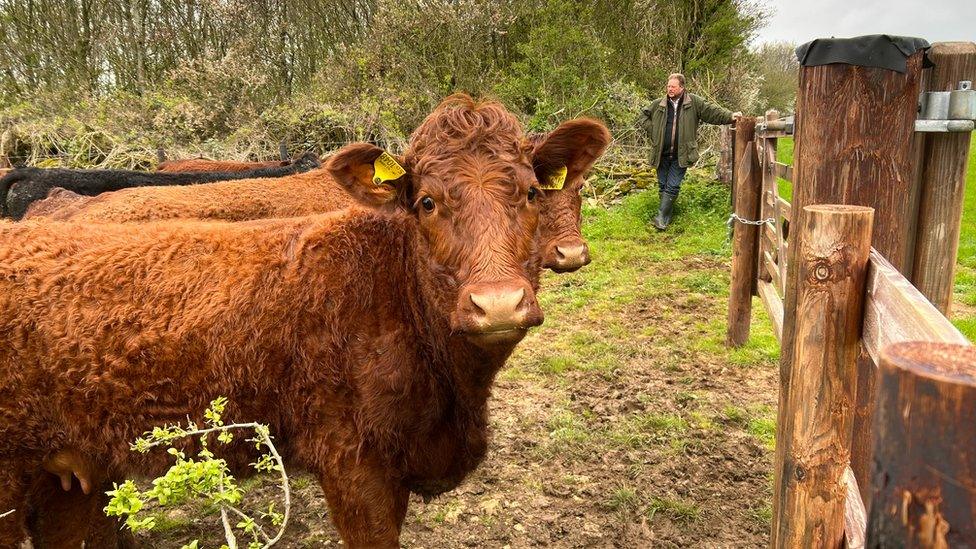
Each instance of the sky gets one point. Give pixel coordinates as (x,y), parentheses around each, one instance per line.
(800,21)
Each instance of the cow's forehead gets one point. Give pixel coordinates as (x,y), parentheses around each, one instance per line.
(458,174)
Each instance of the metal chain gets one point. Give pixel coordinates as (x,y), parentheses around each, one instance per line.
(735,217)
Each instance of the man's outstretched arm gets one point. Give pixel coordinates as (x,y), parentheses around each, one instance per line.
(714,114)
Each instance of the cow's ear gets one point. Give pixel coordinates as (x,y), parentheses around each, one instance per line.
(372,176)
(568,152)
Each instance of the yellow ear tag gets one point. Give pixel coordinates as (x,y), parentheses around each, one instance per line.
(556,180)
(386,168)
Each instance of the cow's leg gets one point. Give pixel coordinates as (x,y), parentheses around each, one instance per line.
(13,504)
(367,504)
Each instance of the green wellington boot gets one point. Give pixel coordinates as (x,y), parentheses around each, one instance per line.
(665,213)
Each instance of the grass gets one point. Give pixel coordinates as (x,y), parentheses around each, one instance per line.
(965,284)
(763,427)
(965,287)
(763,515)
(676,509)
(167,522)
(622,499)
(758,421)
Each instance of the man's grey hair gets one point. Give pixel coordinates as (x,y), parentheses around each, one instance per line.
(679,77)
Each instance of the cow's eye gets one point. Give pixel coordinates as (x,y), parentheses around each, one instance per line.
(428,203)
(532,193)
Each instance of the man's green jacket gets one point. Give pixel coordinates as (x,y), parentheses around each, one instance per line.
(694,109)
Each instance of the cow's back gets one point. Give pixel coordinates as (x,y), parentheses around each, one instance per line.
(240,200)
(209,165)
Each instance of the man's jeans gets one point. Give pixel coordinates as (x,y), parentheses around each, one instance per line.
(670,175)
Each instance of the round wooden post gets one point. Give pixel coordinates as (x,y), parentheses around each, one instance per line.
(943,181)
(813,435)
(283,150)
(745,238)
(853,134)
(924,467)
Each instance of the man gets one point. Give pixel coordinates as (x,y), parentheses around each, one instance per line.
(671,124)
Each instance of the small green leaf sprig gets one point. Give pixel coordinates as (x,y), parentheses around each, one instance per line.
(204,477)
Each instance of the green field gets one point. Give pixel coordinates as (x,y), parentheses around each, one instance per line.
(963,312)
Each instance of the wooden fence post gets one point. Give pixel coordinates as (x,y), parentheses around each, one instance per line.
(855,150)
(283,150)
(943,181)
(723,169)
(813,433)
(924,470)
(745,239)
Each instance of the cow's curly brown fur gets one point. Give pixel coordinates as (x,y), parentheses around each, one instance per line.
(339,330)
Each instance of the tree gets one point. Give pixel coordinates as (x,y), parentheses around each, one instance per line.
(780,71)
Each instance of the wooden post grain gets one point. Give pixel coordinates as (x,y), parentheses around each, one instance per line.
(813,434)
(745,238)
(858,150)
(943,181)
(853,134)
(924,467)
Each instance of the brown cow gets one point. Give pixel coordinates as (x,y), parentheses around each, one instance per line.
(563,248)
(21,187)
(367,339)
